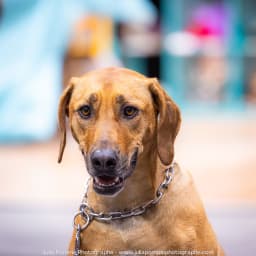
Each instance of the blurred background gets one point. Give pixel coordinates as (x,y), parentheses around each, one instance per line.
(203,52)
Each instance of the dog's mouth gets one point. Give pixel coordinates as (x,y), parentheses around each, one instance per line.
(107,185)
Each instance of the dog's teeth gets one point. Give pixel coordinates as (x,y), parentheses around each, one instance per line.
(103,184)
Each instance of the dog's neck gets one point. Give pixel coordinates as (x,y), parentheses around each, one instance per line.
(139,188)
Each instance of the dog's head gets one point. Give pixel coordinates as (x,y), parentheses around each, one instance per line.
(113,114)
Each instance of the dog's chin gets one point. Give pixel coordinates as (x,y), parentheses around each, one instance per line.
(108,186)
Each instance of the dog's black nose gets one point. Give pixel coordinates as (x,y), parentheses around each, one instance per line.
(104,160)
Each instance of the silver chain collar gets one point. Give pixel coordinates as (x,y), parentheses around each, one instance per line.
(88,214)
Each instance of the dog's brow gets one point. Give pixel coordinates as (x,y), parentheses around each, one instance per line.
(93,98)
(120,99)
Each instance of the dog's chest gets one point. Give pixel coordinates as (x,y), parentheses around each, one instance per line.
(133,234)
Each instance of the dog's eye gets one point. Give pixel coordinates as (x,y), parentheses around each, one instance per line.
(85,111)
(130,112)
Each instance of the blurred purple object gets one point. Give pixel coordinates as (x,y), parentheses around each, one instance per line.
(209,20)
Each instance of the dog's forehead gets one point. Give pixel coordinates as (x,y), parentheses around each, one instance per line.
(121,85)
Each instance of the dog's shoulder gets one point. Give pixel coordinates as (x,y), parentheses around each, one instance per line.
(182,178)
(186,207)
(183,189)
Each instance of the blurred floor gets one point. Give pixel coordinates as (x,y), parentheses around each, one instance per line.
(38,197)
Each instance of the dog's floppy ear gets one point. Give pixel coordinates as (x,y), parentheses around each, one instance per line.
(168,122)
(62,112)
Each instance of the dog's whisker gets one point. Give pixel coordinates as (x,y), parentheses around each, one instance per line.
(122,166)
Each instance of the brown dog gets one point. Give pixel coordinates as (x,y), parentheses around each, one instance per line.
(126,125)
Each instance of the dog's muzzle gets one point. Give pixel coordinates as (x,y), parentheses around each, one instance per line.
(109,170)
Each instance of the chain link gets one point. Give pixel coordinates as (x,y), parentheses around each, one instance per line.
(89,214)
